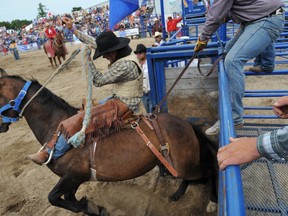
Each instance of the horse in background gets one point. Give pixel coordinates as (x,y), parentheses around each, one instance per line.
(57,49)
(116,158)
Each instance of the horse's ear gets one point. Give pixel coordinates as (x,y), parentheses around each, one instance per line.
(3,72)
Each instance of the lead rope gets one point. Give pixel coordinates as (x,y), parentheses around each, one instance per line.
(79,138)
(64,64)
(157,109)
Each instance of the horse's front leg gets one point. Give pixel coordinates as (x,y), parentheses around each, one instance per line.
(51,62)
(54,58)
(68,188)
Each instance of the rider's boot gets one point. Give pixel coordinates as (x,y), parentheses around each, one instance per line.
(39,157)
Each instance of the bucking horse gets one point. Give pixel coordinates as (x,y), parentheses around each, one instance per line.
(116,158)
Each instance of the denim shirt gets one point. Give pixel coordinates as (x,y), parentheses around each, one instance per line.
(274,145)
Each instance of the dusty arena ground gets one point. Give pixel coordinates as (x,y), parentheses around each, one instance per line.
(24,186)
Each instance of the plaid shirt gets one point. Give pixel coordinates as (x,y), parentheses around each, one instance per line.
(120,71)
(274,145)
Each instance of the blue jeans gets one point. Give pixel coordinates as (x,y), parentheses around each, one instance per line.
(252,39)
(172,33)
(146,99)
(15,53)
(60,147)
(266,60)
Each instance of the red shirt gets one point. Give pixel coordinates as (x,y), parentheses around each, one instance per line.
(172,24)
(50,32)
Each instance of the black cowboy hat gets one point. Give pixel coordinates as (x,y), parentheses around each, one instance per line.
(108,42)
(141,48)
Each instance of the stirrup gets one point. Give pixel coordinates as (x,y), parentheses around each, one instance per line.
(50,157)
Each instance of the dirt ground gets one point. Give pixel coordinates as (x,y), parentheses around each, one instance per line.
(24,186)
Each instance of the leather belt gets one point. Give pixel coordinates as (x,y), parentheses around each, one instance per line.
(278,11)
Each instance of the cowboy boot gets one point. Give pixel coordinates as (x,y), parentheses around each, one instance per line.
(258,68)
(39,157)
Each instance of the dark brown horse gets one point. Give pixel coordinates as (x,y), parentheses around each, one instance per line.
(58,47)
(116,158)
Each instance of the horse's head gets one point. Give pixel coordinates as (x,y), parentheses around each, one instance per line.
(4,127)
(59,39)
(11,96)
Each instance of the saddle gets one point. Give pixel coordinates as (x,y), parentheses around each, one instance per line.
(105,118)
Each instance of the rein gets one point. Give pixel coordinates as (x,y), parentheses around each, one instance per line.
(15,104)
(58,45)
(212,68)
(64,64)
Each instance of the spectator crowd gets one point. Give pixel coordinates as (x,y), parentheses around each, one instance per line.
(91,21)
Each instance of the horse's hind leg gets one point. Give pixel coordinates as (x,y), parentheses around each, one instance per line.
(183,187)
(68,188)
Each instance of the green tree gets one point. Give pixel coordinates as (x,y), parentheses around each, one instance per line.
(76,9)
(18,24)
(41,11)
(15,24)
(6,24)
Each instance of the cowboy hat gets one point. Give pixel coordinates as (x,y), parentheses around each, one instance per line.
(141,48)
(108,42)
(157,34)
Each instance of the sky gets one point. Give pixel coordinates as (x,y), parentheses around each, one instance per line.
(27,9)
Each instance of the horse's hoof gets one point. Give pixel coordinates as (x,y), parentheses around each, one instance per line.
(174,198)
(95,210)
(211,207)
(103,211)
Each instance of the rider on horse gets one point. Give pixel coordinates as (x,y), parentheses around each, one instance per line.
(124,71)
(50,34)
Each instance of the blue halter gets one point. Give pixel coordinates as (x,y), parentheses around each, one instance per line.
(15,104)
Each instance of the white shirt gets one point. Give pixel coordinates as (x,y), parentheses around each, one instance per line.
(158,44)
(146,84)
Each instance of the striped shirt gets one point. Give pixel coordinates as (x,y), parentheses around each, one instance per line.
(119,71)
(274,145)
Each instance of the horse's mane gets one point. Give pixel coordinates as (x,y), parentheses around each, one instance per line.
(45,95)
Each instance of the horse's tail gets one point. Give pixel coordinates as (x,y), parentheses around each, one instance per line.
(203,138)
(208,159)
(208,148)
